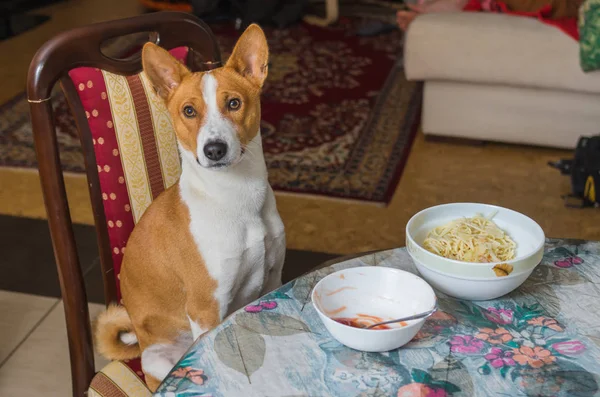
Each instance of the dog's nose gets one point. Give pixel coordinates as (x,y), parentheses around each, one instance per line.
(215,151)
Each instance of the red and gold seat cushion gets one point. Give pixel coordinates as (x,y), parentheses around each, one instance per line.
(135,146)
(117,380)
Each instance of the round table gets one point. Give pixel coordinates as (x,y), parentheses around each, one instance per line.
(541,340)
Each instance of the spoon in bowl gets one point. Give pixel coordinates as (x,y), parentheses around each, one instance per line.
(408,318)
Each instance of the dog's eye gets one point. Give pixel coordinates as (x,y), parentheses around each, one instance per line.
(234,104)
(189,112)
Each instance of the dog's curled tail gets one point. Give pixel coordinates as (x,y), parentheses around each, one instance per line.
(115,338)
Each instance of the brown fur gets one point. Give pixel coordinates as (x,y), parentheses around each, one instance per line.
(163,277)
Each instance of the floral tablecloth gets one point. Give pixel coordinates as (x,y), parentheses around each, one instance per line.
(541,340)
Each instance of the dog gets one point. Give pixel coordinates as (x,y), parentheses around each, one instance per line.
(214,241)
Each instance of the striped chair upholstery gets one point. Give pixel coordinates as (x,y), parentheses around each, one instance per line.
(136,155)
(117,380)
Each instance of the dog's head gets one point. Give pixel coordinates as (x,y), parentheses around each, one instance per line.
(217,113)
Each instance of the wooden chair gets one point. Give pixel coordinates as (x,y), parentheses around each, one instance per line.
(115,109)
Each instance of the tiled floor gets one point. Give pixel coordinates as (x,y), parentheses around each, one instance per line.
(34,355)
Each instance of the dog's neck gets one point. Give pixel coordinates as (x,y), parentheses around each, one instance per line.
(246,180)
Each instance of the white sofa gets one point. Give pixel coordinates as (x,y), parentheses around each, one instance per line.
(501,78)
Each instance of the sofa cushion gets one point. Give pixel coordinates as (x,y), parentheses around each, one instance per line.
(495,49)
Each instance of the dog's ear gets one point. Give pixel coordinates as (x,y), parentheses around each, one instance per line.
(250,56)
(164,71)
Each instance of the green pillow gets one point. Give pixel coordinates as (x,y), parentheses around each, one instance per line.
(589,35)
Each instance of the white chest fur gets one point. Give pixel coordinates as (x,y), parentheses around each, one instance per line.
(236,226)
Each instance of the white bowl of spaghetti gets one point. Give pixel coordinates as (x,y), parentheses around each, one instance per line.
(474,251)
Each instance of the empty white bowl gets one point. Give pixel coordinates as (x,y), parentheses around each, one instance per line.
(469,280)
(382,292)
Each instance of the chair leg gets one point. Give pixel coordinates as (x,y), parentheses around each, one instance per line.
(332,13)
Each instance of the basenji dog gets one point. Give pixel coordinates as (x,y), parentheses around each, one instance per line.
(214,241)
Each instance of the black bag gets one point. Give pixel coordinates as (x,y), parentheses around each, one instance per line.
(584,170)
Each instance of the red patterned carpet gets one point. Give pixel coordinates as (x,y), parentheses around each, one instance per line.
(338,114)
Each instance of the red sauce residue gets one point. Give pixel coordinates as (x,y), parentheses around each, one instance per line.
(357,323)
(339,290)
(336,311)
(363,321)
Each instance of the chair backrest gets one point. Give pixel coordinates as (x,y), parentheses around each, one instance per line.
(135,150)
(128,144)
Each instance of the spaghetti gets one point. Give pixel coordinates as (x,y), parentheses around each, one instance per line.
(475,239)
